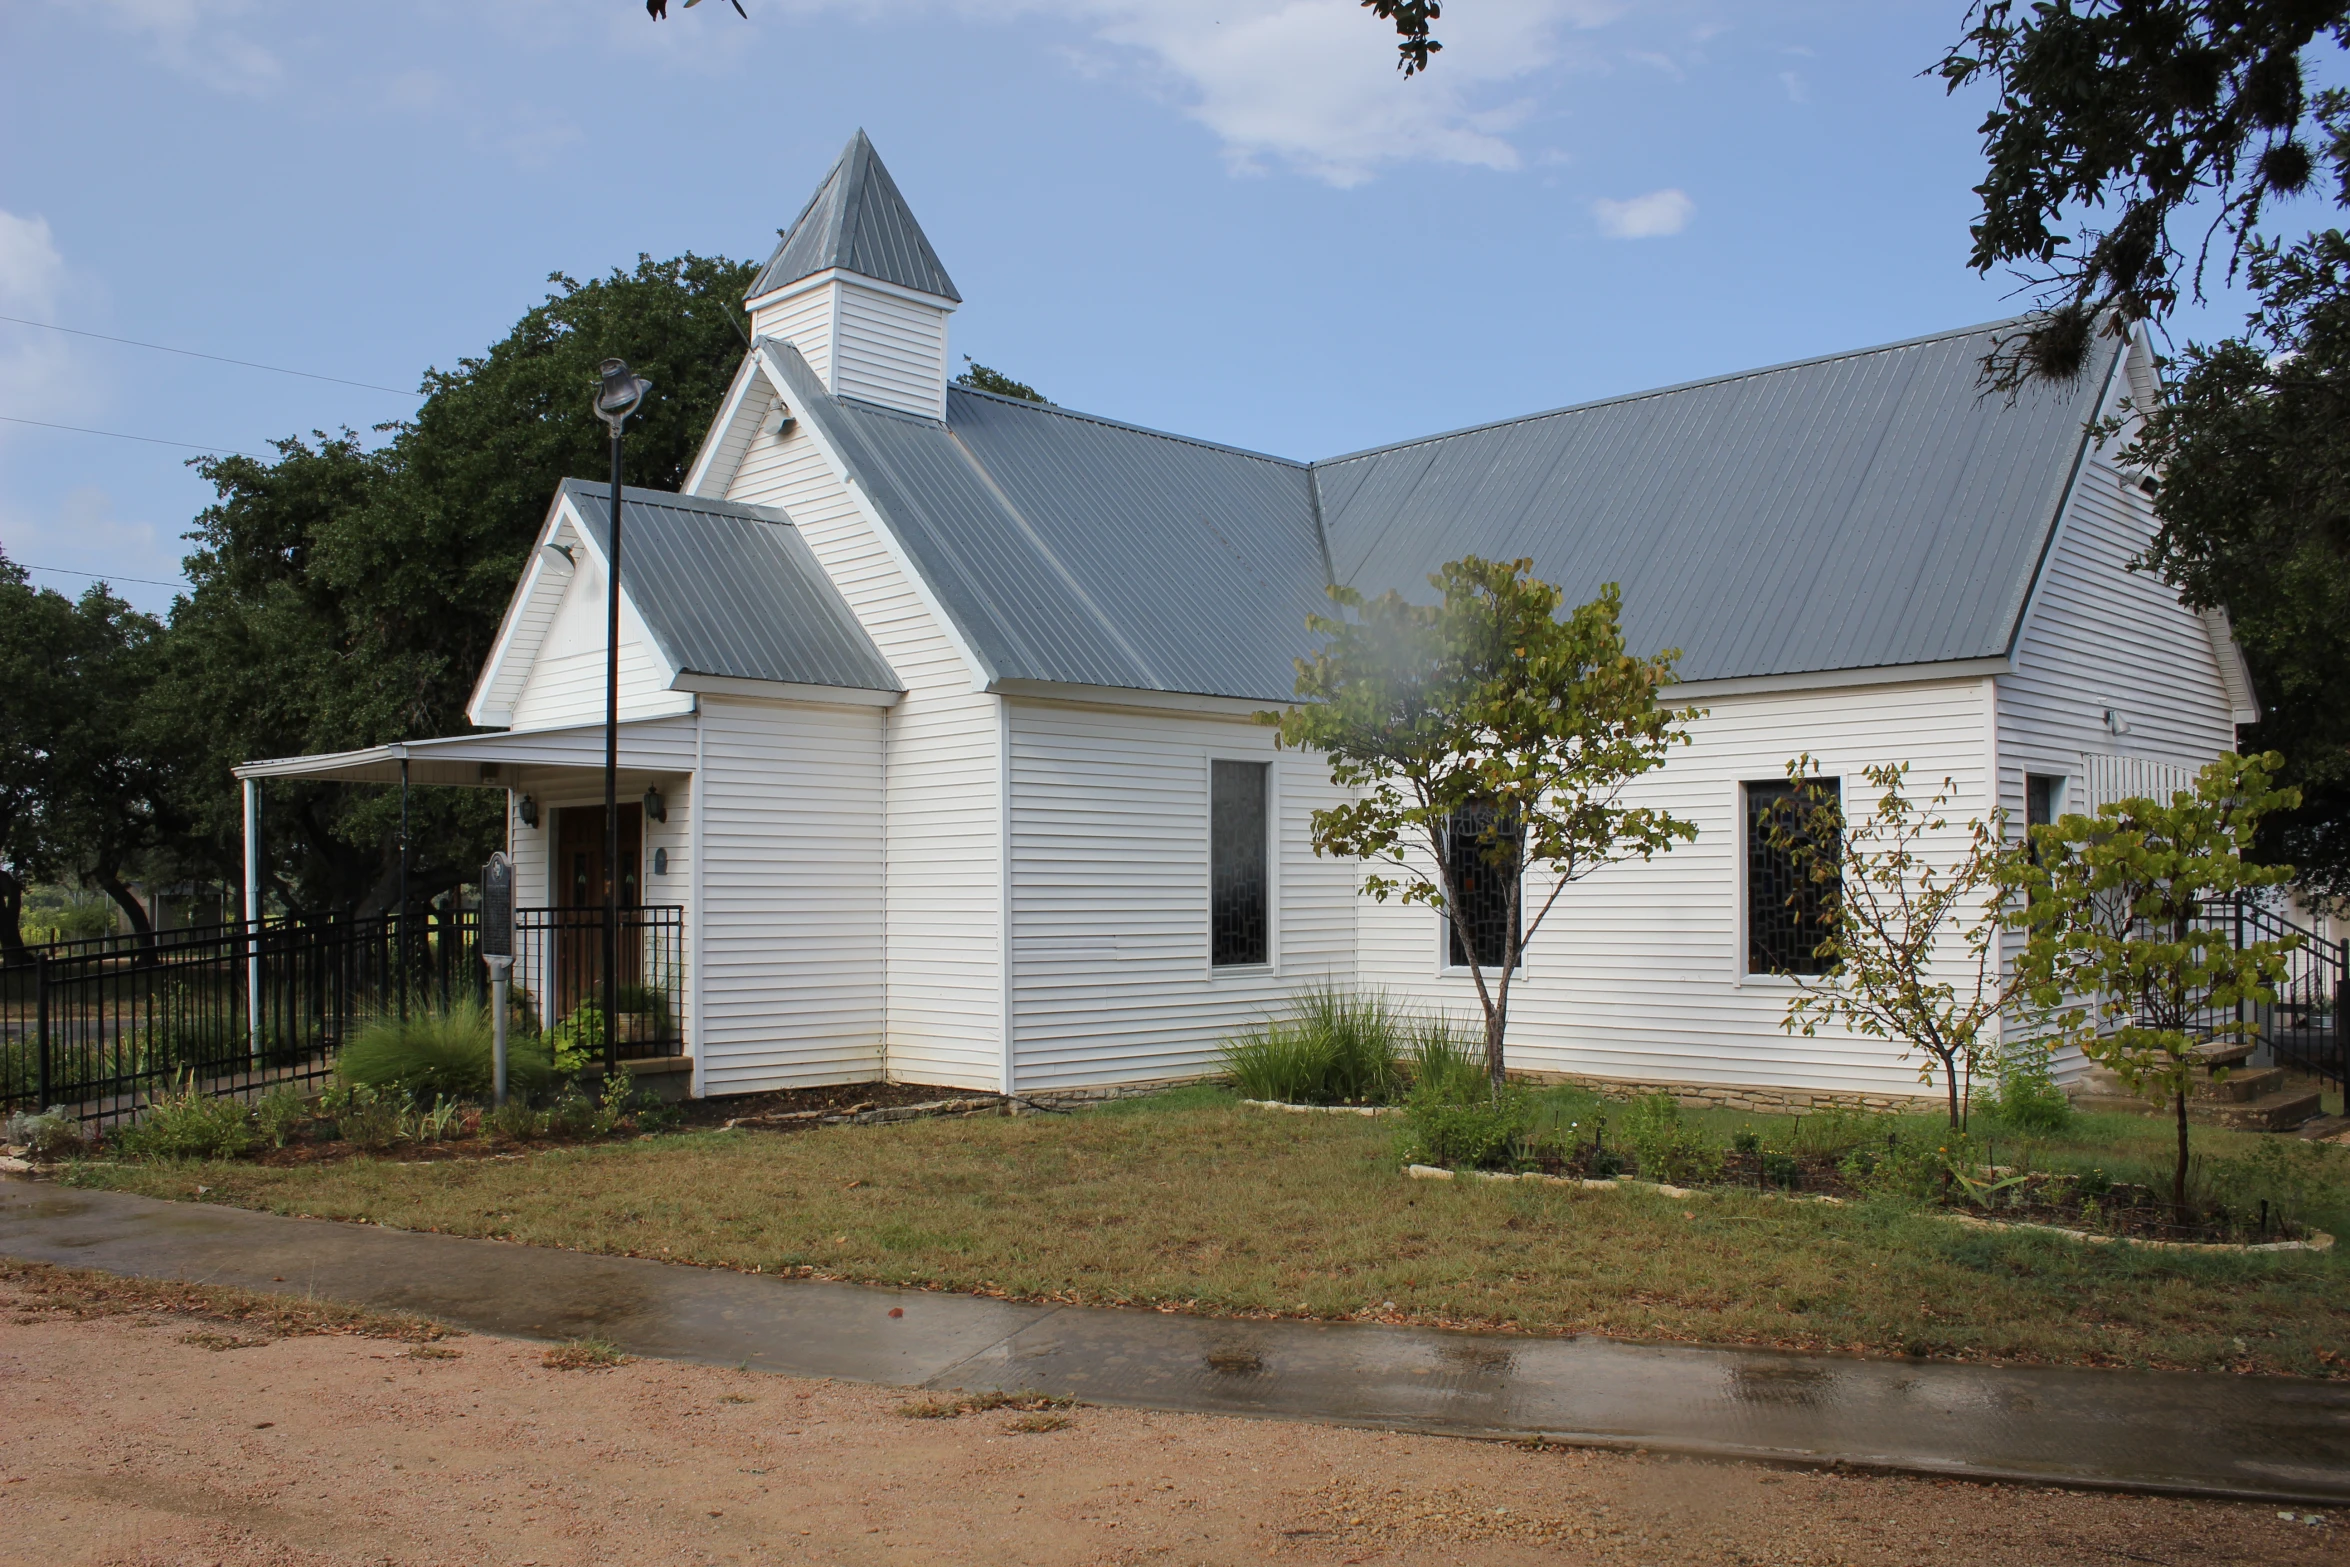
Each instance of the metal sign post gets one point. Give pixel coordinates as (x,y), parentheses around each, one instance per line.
(497,950)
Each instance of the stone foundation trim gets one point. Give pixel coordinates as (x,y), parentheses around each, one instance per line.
(1368,1111)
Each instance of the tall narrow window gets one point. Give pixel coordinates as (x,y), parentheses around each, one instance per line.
(2043,799)
(1239,896)
(1484,866)
(1785,909)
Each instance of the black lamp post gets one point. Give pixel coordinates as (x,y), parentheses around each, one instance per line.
(618,397)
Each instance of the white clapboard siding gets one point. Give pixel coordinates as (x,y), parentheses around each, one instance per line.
(890,350)
(1638,975)
(806,321)
(792,896)
(1111,981)
(943,853)
(2103,637)
(565,684)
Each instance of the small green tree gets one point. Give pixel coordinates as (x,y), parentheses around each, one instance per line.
(1488,712)
(1891,913)
(2126,952)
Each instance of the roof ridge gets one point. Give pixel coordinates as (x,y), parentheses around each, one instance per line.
(1722,379)
(1121,424)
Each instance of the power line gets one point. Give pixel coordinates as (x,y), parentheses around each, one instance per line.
(108,576)
(151,440)
(222,359)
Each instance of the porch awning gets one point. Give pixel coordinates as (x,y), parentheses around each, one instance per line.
(487,761)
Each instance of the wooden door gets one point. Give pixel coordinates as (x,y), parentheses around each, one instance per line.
(579,884)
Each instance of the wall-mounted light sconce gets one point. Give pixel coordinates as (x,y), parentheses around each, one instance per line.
(559,556)
(660,862)
(656,808)
(779,421)
(526,811)
(2115,724)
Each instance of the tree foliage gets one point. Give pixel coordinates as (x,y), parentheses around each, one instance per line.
(982,379)
(2127,953)
(346,596)
(2112,119)
(1486,707)
(1911,935)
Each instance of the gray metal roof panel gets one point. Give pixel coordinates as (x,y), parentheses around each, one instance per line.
(732,590)
(857,221)
(1084,552)
(1858,511)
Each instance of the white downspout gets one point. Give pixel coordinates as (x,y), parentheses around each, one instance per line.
(253,915)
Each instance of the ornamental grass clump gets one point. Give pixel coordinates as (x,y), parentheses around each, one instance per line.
(1334,1046)
(441,1054)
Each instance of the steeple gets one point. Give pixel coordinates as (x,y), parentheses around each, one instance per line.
(855,286)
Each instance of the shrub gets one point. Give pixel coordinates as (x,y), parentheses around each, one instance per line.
(2025,1097)
(441,1054)
(189,1124)
(279,1113)
(1333,1047)
(1668,1148)
(366,1116)
(1475,1134)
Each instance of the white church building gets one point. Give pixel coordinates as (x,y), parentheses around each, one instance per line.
(948,698)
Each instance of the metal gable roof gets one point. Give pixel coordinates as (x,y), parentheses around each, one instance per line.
(1861,511)
(1079,551)
(859,223)
(732,590)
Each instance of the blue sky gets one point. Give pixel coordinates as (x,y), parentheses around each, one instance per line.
(1230,218)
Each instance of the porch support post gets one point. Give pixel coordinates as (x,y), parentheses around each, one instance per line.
(253,915)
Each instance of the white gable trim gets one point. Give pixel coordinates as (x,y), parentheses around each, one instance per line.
(2234,675)
(531,613)
(830,275)
(727,441)
(981,676)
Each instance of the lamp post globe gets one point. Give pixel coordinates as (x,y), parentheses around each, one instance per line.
(619,393)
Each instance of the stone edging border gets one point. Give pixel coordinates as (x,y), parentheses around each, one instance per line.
(976,1104)
(1619,1183)
(2318,1240)
(1368,1111)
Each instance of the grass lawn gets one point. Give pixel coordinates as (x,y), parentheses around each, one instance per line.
(1188,1201)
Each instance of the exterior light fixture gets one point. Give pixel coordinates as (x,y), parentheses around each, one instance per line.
(559,556)
(526,811)
(618,394)
(660,862)
(656,808)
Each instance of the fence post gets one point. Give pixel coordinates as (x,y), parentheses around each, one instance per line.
(41,1028)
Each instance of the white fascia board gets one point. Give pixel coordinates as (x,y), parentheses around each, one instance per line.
(973,664)
(699,480)
(791,691)
(632,624)
(2234,674)
(830,275)
(1834,679)
(484,706)
(1123,699)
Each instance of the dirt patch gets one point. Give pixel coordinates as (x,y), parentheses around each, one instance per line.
(332,1448)
(36,1292)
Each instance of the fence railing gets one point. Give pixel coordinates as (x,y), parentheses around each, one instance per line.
(102,1026)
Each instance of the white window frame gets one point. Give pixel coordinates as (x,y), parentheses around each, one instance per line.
(1740,976)
(1271,967)
(1446,968)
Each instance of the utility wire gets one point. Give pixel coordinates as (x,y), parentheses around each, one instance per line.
(222,359)
(108,576)
(151,440)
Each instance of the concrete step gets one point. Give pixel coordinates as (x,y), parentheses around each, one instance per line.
(2242,1085)
(2279,1111)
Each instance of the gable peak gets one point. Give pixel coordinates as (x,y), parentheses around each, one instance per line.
(857,222)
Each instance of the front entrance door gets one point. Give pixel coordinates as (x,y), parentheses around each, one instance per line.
(579,884)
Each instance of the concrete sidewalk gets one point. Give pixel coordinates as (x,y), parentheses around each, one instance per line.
(2206,1435)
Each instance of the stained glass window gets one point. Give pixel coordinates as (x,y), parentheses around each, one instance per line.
(1484,874)
(1785,910)
(1239,895)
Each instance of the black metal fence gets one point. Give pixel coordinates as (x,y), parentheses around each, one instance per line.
(103,1026)
(2303,1023)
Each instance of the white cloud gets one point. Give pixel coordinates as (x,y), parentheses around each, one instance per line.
(1798,90)
(40,374)
(196,39)
(1653,216)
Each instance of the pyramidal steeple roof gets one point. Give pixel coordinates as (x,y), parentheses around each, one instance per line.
(859,223)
